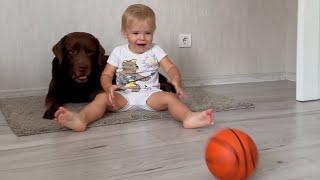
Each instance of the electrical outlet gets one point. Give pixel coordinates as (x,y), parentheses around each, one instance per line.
(185,40)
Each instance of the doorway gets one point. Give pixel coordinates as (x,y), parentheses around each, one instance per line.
(308,46)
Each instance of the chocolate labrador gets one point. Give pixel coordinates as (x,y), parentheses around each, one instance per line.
(76,68)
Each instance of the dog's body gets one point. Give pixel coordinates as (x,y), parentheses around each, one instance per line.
(76,70)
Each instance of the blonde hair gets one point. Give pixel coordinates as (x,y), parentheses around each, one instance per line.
(138,12)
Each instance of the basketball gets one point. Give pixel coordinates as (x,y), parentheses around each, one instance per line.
(231,154)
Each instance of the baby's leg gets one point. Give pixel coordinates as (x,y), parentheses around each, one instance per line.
(180,111)
(199,119)
(90,113)
(69,119)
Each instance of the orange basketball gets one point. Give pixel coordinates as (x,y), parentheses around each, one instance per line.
(231,154)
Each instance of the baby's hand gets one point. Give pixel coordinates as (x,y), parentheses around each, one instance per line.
(179,90)
(110,93)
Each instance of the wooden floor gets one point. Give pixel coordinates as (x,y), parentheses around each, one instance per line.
(286,132)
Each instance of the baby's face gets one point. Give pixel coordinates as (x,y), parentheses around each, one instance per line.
(139,35)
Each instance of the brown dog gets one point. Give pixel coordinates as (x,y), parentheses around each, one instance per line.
(76,69)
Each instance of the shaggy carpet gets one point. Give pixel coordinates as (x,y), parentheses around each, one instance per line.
(24,114)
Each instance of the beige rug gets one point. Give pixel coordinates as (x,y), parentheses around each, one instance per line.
(24,114)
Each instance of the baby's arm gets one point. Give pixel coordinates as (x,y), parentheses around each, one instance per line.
(106,81)
(174,75)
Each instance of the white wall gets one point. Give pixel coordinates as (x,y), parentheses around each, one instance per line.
(233,41)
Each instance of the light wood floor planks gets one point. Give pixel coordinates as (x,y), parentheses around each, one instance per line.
(287,134)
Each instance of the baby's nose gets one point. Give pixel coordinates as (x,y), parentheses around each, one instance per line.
(142,36)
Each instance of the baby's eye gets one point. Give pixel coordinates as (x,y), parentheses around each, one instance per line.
(135,33)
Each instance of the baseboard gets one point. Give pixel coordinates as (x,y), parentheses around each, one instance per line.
(188,82)
(23,92)
(231,79)
(291,76)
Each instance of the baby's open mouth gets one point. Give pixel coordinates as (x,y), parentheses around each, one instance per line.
(141,44)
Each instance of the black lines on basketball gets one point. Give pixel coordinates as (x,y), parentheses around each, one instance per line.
(231,154)
(234,152)
(243,150)
(251,151)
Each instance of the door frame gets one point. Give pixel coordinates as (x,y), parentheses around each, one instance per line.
(308,46)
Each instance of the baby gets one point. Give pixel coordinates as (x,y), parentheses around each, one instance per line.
(136,66)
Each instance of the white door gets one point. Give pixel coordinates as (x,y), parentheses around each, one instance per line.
(308,46)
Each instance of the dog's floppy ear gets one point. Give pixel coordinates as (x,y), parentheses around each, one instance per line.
(102,59)
(57,50)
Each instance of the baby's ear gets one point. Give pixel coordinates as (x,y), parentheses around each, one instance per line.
(124,34)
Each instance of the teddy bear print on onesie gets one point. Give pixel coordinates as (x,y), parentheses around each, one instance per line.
(137,72)
(129,75)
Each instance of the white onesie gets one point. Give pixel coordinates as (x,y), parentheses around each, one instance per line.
(137,74)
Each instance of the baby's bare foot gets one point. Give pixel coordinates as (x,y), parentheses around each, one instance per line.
(199,119)
(69,119)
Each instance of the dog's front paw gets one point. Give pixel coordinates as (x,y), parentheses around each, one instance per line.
(167,87)
(49,114)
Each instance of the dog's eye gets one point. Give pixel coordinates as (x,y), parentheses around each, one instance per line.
(90,53)
(72,52)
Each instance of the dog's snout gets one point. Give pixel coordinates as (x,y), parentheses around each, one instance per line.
(82,61)
(83,68)
(81,65)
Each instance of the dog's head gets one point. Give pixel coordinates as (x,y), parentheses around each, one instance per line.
(79,53)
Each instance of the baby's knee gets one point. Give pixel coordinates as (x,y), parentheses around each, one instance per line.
(103,99)
(101,96)
(171,96)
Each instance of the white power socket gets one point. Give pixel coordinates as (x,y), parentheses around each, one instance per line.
(185,40)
